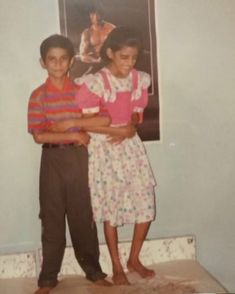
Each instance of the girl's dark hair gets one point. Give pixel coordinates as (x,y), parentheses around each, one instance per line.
(118,38)
(56,41)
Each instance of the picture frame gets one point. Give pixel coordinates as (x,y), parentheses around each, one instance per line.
(74,17)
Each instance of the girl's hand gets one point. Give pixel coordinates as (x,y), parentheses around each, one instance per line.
(135,118)
(82,138)
(61,126)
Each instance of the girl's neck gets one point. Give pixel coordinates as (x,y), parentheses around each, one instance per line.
(116,74)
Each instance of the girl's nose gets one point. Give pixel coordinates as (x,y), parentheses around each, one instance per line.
(132,63)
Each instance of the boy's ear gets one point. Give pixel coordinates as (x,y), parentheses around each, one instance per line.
(42,63)
(109,53)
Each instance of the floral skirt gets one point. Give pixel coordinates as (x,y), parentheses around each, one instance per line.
(121,181)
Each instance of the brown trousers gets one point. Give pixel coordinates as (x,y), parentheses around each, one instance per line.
(64,193)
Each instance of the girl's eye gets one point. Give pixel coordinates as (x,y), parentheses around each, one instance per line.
(124,57)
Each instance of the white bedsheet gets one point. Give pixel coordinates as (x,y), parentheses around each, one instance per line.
(173,277)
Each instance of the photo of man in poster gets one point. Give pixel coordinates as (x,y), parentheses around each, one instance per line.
(92,39)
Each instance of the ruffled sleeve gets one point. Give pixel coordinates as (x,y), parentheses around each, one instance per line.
(140,99)
(89,95)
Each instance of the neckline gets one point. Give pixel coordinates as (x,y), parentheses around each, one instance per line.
(108,71)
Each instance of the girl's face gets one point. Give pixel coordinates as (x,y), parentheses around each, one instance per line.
(122,61)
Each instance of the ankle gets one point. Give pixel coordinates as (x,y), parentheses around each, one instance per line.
(117,271)
(117,267)
(132,260)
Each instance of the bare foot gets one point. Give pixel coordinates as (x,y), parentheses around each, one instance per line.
(103,282)
(43,290)
(119,278)
(138,267)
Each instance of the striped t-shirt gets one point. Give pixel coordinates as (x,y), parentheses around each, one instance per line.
(48,104)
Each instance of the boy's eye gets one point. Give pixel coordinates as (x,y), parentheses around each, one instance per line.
(51,58)
(64,57)
(54,59)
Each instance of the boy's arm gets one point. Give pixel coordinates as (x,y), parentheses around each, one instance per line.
(83,123)
(116,134)
(80,138)
(124,131)
(98,124)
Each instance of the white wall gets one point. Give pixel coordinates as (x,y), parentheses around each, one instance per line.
(193,163)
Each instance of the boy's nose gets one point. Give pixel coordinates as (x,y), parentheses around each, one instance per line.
(58,63)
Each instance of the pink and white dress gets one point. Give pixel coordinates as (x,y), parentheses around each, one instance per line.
(120,177)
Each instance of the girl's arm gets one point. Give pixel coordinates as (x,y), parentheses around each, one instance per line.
(136,118)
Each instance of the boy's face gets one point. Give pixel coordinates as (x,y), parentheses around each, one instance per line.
(57,63)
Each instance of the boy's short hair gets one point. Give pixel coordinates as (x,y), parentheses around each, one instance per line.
(56,41)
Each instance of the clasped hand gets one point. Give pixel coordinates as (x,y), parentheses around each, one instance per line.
(125,132)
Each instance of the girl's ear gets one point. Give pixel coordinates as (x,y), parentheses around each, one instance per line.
(42,63)
(109,53)
(71,62)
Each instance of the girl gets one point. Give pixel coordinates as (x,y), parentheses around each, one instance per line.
(120,177)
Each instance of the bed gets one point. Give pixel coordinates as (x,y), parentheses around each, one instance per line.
(173,259)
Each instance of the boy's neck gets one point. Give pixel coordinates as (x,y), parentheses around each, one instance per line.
(58,83)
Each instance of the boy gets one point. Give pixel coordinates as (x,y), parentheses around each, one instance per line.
(64,168)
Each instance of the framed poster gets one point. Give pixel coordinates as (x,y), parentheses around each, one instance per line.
(88,22)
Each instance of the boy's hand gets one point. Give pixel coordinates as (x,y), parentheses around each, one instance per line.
(115,139)
(127,131)
(82,138)
(61,126)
